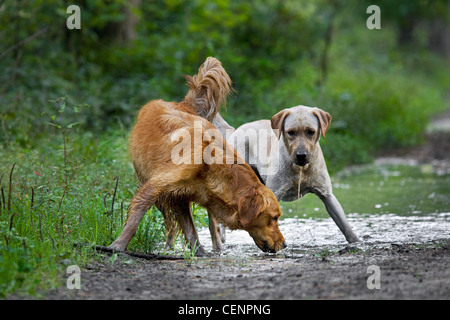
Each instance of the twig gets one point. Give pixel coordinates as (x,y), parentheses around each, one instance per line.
(104,202)
(121,214)
(114,195)
(11,221)
(59,209)
(31,205)
(6,132)
(53,241)
(112,204)
(10,187)
(130,253)
(40,225)
(61,200)
(3,199)
(21,43)
(113,198)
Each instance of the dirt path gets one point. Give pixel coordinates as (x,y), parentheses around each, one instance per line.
(406,270)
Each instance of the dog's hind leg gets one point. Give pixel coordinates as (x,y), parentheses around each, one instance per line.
(223,235)
(186,223)
(171,226)
(142,201)
(216,233)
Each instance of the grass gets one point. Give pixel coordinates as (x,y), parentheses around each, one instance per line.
(60,196)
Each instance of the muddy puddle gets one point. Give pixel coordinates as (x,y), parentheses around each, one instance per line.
(389,202)
(306,236)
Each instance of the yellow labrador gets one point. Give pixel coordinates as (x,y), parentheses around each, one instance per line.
(286,155)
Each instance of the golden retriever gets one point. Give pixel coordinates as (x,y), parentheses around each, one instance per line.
(174,173)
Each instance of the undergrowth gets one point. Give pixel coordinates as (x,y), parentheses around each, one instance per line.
(74,188)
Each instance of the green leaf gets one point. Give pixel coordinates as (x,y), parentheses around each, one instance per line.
(54,124)
(72,124)
(113,258)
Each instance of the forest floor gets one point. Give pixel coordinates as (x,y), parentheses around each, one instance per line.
(407,271)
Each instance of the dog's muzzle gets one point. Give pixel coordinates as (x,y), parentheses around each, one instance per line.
(267,248)
(301,158)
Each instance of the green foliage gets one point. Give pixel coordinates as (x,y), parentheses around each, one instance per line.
(46,216)
(272,50)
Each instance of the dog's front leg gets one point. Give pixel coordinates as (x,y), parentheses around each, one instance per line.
(336,212)
(143,200)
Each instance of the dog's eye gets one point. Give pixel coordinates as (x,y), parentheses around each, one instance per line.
(275,218)
(310,132)
(291,133)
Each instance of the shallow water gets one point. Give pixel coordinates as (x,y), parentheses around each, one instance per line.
(303,235)
(398,186)
(385,204)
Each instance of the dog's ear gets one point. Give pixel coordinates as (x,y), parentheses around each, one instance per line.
(278,120)
(324,120)
(250,206)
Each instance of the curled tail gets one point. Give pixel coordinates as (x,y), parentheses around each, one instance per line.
(208,90)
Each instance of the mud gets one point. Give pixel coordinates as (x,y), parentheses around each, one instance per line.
(412,254)
(407,271)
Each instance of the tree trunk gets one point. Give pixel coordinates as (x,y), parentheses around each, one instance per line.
(127,28)
(439,35)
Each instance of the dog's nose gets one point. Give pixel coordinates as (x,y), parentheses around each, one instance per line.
(301,156)
(284,245)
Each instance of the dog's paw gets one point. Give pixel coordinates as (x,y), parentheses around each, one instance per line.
(353,239)
(200,252)
(118,246)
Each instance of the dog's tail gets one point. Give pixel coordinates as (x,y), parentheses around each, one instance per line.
(208,90)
